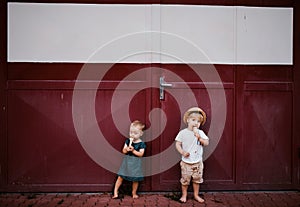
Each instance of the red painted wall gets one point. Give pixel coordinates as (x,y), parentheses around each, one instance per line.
(259,149)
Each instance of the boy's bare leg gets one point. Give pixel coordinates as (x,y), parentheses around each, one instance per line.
(117,186)
(184,189)
(196,187)
(135,186)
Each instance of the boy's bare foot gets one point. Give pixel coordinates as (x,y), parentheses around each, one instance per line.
(199,199)
(135,196)
(115,197)
(182,200)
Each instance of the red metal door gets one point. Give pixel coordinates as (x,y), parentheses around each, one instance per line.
(190,90)
(264,122)
(45,151)
(254,134)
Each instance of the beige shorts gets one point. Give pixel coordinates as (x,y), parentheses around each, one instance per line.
(189,171)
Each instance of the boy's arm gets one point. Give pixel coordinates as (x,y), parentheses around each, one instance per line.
(180,150)
(203,142)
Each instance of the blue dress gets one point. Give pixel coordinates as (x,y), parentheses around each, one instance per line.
(131,168)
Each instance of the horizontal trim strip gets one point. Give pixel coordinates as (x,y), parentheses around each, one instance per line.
(252,3)
(105,85)
(132,85)
(267,86)
(286,3)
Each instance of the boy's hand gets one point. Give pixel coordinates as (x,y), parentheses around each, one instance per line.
(196,132)
(197,135)
(186,154)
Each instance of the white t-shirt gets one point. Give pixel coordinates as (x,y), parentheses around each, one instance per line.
(191,144)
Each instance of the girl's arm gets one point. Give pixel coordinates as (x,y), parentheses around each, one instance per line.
(139,153)
(125,149)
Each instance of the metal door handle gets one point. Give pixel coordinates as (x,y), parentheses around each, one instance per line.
(162,85)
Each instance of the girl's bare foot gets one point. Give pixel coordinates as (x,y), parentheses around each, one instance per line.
(182,200)
(135,196)
(199,199)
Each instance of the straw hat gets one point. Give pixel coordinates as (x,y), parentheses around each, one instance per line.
(194,110)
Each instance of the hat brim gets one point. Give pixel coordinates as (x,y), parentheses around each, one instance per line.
(194,110)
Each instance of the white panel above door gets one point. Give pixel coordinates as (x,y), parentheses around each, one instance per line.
(264,35)
(126,33)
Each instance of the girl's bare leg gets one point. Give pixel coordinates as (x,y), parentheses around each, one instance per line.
(135,186)
(117,186)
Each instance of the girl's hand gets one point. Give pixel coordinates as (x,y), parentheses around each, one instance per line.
(130,148)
